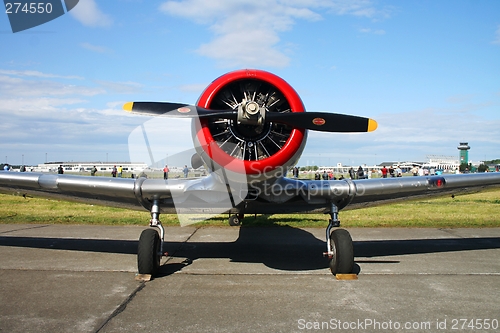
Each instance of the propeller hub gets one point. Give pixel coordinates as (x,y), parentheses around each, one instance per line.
(250,113)
(252,108)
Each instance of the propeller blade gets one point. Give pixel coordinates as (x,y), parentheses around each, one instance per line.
(196,161)
(317,121)
(324,121)
(176,110)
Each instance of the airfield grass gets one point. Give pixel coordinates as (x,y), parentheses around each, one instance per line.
(471,210)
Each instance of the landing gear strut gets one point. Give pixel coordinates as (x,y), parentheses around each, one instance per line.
(150,248)
(339,246)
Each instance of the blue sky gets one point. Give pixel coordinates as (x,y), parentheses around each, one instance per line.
(427,71)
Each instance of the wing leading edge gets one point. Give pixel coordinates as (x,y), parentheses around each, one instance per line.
(116,192)
(198,195)
(283,196)
(294,195)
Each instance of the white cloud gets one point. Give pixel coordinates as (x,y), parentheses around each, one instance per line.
(13,86)
(461,98)
(121,87)
(497,36)
(42,114)
(38,96)
(246,32)
(38,74)
(39,105)
(371,31)
(95,48)
(250,50)
(410,136)
(197,88)
(87,13)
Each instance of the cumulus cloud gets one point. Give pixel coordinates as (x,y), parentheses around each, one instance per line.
(61,115)
(40,95)
(90,15)
(246,32)
(410,136)
(19,87)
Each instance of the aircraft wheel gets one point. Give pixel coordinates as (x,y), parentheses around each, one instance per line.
(234,220)
(148,252)
(342,261)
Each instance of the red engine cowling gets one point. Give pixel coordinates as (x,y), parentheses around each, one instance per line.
(258,151)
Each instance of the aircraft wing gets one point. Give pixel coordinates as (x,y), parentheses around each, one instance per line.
(378,191)
(295,195)
(200,195)
(116,192)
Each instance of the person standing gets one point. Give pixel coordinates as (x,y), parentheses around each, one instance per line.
(352,175)
(391,171)
(165,172)
(399,172)
(120,171)
(93,171)
(384,172)
(186,171)
(361,173)
(60,170)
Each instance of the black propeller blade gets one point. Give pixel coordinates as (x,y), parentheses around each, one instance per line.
(317,121)
(176,110)
(324,121)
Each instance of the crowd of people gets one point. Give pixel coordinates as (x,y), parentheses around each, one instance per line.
(360,173)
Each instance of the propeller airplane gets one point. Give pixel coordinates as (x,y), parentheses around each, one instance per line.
(249,128)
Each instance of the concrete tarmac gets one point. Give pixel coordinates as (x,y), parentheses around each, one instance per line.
(63,278)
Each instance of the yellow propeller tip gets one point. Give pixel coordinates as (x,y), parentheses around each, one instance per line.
(128,106)
(372,125)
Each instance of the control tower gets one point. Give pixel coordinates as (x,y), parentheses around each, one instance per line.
(464,152)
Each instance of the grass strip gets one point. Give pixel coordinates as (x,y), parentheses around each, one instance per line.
(471,210)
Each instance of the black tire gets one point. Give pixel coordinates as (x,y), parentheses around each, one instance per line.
(342,261)
(148,252)
(234,220)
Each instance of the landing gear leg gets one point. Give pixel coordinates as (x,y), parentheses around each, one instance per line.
(338,245)
(150,248)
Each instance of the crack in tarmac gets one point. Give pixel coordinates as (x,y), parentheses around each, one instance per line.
(139,288)
(121,307)
(22,229)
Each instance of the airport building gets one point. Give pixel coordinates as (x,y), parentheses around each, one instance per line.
(79,167)
(434,163)
(441,162)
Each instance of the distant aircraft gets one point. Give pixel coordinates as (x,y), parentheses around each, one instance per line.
(249,128)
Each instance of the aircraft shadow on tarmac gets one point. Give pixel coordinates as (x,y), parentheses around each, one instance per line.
(282,248)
